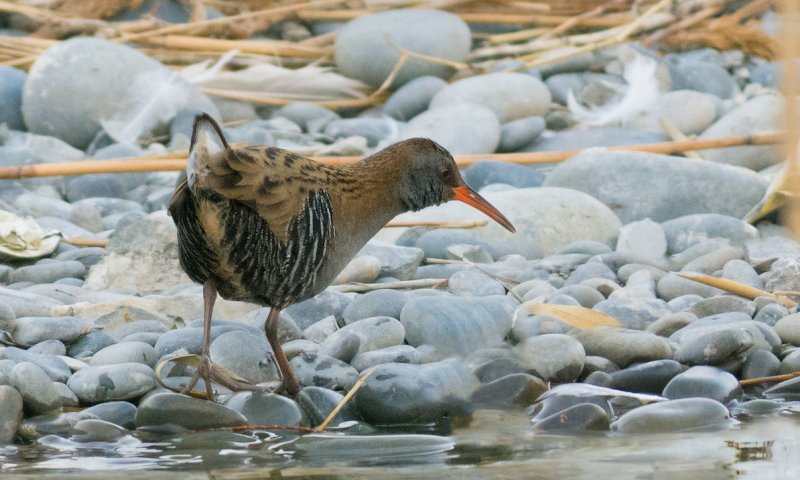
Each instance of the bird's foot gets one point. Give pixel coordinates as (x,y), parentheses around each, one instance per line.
(211,373)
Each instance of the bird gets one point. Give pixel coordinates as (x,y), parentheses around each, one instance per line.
(268,226)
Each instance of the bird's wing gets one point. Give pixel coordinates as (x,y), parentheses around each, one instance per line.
(273,182)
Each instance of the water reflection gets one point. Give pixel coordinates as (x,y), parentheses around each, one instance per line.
(496,444)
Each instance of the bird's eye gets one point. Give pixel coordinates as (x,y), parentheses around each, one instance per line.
(446,174)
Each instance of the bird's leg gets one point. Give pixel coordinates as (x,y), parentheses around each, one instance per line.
(287,373)
(204,369)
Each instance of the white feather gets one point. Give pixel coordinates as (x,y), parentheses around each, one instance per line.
(642,90)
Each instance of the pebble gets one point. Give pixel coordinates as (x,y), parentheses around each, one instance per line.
(583,417)
(260,408)
(671,286)
(32,330)
(673,416)
(38,391)
(59,108)
(787,390)
(706,382)
(92,430)
(245,354)
(174,413)
(762,252)
(53,366)
(643,239)
(316,308)
(623,346)
(634,313)
(713,261)
(517,134)
(10,413)
(788,328)
(375,130)
(515,389)
(703,186)
(683,232)
(546,220)
(790,363)
(122,381)
(49,272)
(393,354)
(646,377)
(552,357)
(740,271)
(722,304)
(60,424)
(561,84)
(318,403)
(487,172)
(474,283)
(378,303)
(461,128)
(89,344)
(413,98)
(454,325)
(758,114)
(372,333)
(397,262)
(366,48)
(580,139)
(8,320)
(315,369)
(49,347)
(510,96)
(700,76)
(362,269)
(715,347)
(119,413)
(404,394)
(11,82)
(307,115)
(124,352)
(690,111)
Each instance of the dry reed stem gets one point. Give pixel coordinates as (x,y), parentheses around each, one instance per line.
(773,379)
(175,161)
(263,47)
(399,285)
(676,135)
(790,76)
(361,381)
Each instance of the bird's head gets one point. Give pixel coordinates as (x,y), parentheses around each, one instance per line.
(426,175)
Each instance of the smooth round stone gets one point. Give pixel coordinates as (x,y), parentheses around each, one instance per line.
(642,239)
(398,262)
(260,408)
(49,272)
(314,369)
(378,303)
(53,366)
(399,393)
(244,354)
(788,390)
(673,416)
(790,363)
(373,333)
(554,403)
(517,134)
(623,346)
(319,331)
(584,417)
(554,357)
(487,172)
(722,304)
(788,328)
(363,269)
(691,112)
(762,252)
(8,320)
(191,338)
(112,382)
(455,325)
(546,220)
(49,347)
(585,247)
(395,354)
(784,274)
(713,261)
(706,382)
(590,270)
(124,352)
(11,83)
(435,242)
(66,396)
(316,308)
(703,186)
(688,230)
(89,344)
(715,347)
(32,330)
(307,114)
(66,294)
(584,294)
(740,271)
(647,377)
(149,338)
(413,98)
(599,137)
(671,286)
(761,406)
(39,394)
(769,313)
(93,430)
(115,324)
(121,81)
(95,185)
(6,366)
(374,130)
(118,413)
(598,364)
(510,96)
(702,77)
(474,283)
(318,403)
(758,114)
(366,48)
(10,413)
(764,336)
(760,363)
(520,389)
(172,412)
(496,368)
(561,84)
(461,128)
(60,424)
(636,313)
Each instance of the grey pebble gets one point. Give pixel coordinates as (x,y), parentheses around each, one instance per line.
(553,357)
(412,98)
(517,134)
(49,272)
(313,369)
(672,416)
(319,402)
(122,381)
(515,389)
(39,394)
(474,283)
(260,408)
(245,354)
(760,363)
(32,330)
(49,347)
(378,303)
(372,333)
(89,344)
(624,346)
(583,417)
(394,354)
(52,365)
(10,413)
(124,352)
(706,382)
(635,313)
(172,413)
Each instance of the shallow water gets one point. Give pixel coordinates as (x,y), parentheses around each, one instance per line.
(496,444)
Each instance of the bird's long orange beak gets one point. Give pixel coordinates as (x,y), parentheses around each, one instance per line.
(471,198)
